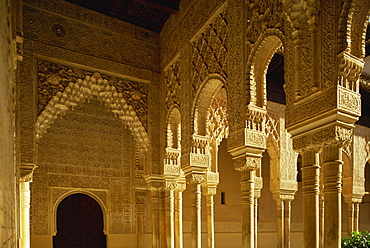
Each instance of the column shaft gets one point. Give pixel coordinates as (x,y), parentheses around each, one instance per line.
(350,217)
(280,223)
(310,190)
(356,216)
(178,219)
(196,217)
(155,219)
(287,215)
(170,218)
(247,190)
(255,221)
(210,221)
(332,167)
(163,222)
(25,214)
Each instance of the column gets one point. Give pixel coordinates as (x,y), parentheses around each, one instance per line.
(280,223)
(155,218)
(353,215)
(26,176)
(140,200)
(287,215)
(170,217)
(310,191)
(162,216)
(356,215)
(247,191)
(25,198)
(209,190)
(332,167)
(210,221)
(350,217)
(196,228)
(256,218)
(321,213)
(178,219)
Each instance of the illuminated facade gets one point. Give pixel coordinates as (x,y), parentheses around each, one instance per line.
(236,124)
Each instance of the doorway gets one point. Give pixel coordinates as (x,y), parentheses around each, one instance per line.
(79,223)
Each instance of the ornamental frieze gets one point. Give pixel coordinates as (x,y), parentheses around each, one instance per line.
(53,77)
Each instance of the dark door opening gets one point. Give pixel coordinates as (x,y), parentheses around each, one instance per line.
(79,223)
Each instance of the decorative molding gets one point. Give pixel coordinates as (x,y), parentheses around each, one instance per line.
(315,140)
(26,172)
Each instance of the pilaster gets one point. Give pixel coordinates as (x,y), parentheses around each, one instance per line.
(140,202)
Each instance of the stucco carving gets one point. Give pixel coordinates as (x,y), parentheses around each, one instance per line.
(84,90)
(209,50)
(327,136)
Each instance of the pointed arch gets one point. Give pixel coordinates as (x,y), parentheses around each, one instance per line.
(259,59)
(73,192)
(84,90)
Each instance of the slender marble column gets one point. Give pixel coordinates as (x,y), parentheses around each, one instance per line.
(280,223)
(310,191)
(321,213)
(178,220)
(170,218)
(210,221)
(356,216)
(255,220)
(162,215)
(332,167)
(350,217)
(353,214)
(25,214)
(287,215)
(155,219)
(196,201)
(247,190)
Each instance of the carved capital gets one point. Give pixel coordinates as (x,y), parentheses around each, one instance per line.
(26,172)
(209,190)
(317,139)
(195,178)
(247,163)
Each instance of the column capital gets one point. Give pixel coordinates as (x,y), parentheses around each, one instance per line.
(210,183)
(247,162)
(284,195)
(195,178)
(26,172)
(328,135)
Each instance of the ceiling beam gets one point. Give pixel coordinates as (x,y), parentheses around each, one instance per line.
(169,6)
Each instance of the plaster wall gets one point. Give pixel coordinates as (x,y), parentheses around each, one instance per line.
(8,176)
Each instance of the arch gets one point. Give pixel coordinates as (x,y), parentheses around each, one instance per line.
(202,103)
(173,125)
(272,149)
(217,124)
(73,192)
(353,22)
(83,90)
(263,50)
